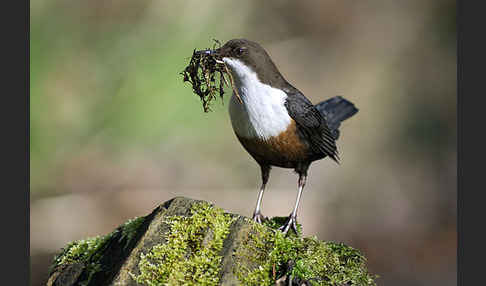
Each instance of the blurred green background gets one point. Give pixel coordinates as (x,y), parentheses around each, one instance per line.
(114,131)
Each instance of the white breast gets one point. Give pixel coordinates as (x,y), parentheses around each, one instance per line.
(263,113)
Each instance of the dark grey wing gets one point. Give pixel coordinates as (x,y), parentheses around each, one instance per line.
(311,123)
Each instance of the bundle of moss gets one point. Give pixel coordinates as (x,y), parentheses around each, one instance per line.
(206,73)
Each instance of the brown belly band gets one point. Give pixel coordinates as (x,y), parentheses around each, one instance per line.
(285,150)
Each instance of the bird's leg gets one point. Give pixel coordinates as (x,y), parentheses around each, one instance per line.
(257,215)
(292,220)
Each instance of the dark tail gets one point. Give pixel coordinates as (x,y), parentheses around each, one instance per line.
(336,109)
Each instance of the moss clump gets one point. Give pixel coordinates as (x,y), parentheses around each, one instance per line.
(190,255)
(330,263)
(80,250)
(85,251)
(129,229)
(89,251)
(274,255)
(278,221)
(201,73)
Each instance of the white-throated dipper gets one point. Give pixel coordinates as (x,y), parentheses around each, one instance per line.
(275,122)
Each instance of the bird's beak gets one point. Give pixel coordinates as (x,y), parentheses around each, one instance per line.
(216,53)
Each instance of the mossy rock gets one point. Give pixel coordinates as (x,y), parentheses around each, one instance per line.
(189,242)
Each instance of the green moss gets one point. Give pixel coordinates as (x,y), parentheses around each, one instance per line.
(330,263)
(193,244)
(80,250)
(89,251)
(85,251)
(273,255)
(130,228)
(278,221)
(190,255)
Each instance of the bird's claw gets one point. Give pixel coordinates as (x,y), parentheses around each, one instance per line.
(290,224)
(258,217)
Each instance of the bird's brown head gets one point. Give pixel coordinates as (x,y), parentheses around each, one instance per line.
(239,54)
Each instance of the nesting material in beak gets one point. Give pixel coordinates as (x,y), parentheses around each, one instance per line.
(202,72)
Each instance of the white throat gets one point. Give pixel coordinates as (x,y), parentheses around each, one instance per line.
(263,113)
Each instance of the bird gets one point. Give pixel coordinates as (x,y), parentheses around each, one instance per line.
(274,122)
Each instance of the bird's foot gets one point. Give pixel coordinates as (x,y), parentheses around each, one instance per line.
(258,217)
(290,224)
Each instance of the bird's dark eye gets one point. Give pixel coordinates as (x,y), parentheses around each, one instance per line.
(240,51)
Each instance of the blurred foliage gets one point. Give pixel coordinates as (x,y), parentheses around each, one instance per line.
(96,73)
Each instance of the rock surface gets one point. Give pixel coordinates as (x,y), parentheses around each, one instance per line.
(190,242)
